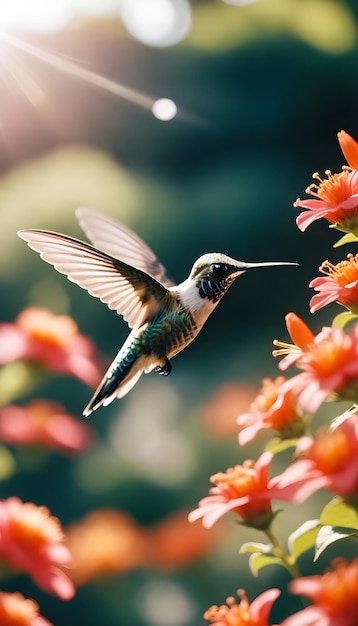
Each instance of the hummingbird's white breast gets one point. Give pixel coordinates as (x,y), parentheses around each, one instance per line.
(199,308)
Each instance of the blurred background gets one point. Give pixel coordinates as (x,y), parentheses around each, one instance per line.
(257,92)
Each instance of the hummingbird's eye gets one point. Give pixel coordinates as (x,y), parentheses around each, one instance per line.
(219,268)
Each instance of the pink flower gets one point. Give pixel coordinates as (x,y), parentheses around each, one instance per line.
(273,408)
(53,341)
(242,489)
(15,610)
(329,362)
(31,540)
(43,422)
(243,613)
(333,596)
(330,461)
(335,197)
(339,285)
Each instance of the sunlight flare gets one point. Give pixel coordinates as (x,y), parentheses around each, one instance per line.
(75,70)
(42,15)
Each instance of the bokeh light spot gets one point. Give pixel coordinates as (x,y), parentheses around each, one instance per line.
(164,109)
(147,434)
(158,597)
(156,22)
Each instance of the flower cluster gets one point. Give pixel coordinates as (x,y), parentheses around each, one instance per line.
(324,457)
(32,540)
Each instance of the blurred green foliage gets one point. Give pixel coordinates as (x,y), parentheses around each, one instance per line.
(261,91)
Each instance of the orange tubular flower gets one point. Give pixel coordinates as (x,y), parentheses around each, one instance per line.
(272,409)
(243,613)
(329,362)
(330,461)
(15,610)
(242,489)
(335,197)
(349,148)
(51,340)
(31,540)
(173,542)
(340,284)
(104,542)
(43,422)
(333,596)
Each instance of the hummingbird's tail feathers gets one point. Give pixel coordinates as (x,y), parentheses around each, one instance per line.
(111,388)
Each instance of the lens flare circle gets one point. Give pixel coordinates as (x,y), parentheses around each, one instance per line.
(164,109)
(156,23)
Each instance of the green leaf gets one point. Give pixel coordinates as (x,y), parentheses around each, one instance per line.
(348,238)
(338,513)
(342,319)
(276,445)
(330,534)
(255,547)
(261,555)
(257,561)
(303,538)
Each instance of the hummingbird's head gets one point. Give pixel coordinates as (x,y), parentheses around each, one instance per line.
(215,272)
(215,265)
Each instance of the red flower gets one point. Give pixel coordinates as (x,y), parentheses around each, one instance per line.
(330,461)
(271,409)
(52,340)
(242,489)
(243,613)
(339,285)
(333,596)
(31,540)
(43,422)
(329,362)
(15,610)
(335,197)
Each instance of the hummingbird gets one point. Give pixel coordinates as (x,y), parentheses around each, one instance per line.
(120,269)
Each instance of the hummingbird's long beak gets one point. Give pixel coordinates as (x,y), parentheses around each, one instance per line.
(242,266)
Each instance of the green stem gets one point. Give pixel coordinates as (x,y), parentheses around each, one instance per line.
(279,551)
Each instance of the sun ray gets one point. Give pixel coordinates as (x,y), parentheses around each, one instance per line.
(14,69)
(73,69)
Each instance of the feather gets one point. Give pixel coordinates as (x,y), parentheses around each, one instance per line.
(122,243)
(128,290)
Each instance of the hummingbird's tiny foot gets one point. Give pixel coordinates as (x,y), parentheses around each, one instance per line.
(164,370)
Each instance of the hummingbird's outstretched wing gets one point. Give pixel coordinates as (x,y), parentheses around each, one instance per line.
(121,243)
(126,289)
